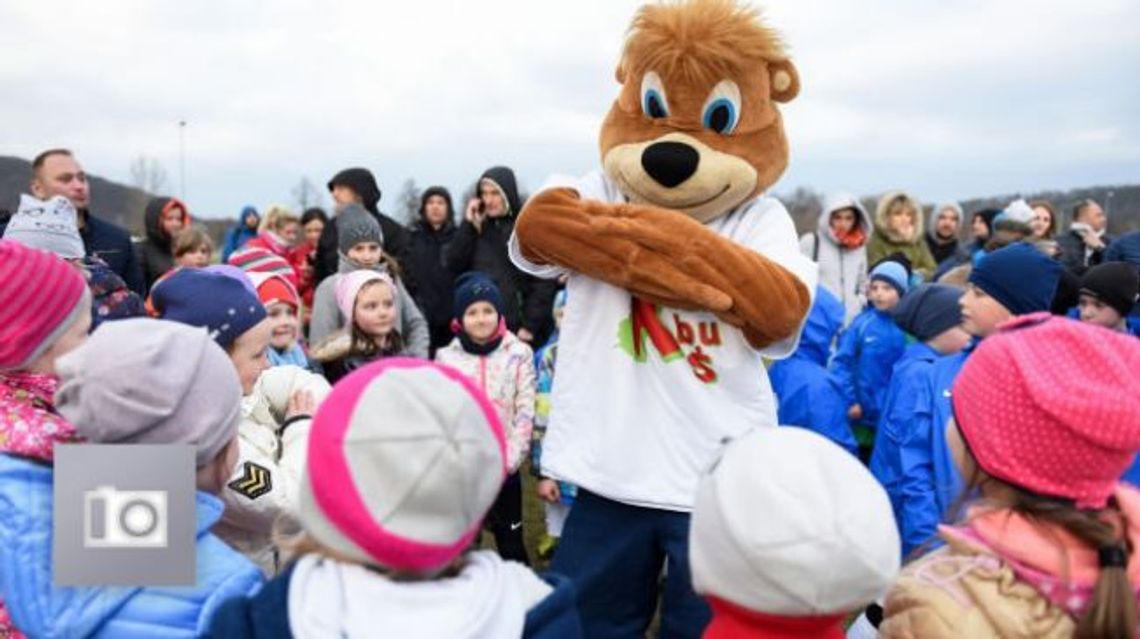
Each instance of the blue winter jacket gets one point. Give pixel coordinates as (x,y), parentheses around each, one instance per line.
(908,391)
(266,615)
(238,234)
(930,482)
(867,353)
(40,609)
(809,395)
(1126,248)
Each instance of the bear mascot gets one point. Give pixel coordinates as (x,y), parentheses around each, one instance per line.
(681,278)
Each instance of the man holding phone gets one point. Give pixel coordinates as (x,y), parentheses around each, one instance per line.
(480,244)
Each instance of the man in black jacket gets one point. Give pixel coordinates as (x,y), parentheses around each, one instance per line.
(433,286)
(480,244)
(357,186)
(1084,244)
(57,172)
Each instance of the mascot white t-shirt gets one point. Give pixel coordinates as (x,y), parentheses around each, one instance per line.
(644,396)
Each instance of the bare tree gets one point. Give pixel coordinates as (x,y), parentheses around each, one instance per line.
(307,195)
(408,202)
(148,174)
(804,206)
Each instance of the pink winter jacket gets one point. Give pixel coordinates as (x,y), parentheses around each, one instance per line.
(29,427)
(507,377)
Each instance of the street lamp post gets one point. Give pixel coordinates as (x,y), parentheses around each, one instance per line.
(182,158)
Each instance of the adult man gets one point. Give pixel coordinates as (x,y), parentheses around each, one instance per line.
(57,172)
(942,236)
(1085,242)
(357,186)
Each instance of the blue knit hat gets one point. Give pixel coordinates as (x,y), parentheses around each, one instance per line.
(892,273)
(1020,277)
(220,303)
(928,311)
(476,286)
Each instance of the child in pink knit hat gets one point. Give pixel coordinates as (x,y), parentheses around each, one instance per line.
(370,302)
(1046,419)
(45,312)
(404,461)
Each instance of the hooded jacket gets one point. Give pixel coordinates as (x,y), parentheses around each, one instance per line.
(885,242)
(239,233)
(327,318)
(41,609)
(433,283)
(527,299)
(155,253)
(940,249)
(363,183)
(808,395)
(868,350)
(842,271)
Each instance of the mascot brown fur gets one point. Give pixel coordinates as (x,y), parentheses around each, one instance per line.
(695,130)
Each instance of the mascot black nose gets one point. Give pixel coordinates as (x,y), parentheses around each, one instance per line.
(670,163)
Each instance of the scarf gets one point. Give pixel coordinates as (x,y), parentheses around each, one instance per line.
(852,239)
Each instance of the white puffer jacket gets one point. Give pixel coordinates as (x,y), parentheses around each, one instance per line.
(842,271)
(266,481)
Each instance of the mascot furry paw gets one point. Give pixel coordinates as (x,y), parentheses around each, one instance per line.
(682,276)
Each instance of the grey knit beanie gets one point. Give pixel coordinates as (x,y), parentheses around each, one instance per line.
(149,381)
(355,225)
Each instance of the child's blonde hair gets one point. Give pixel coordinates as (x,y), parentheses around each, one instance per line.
(191,239)
(277,218)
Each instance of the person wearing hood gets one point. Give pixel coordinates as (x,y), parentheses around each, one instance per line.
(360,240)
(357,186)
(434,283)
(942,236)
(898,229)
(480,244)
(243,231)
(809,396)
(198,404)
(164,218)
(839,246)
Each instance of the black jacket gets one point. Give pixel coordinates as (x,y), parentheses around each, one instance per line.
(155,254)
(428,279)
(113,245)
(395,236)
(528,298)
(1073,252)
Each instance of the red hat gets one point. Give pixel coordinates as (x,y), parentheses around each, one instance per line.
(273,288)
(40,297)
(1053,406)
(259,260)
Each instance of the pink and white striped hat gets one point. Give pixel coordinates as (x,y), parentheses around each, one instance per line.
(405,459)
(40,298)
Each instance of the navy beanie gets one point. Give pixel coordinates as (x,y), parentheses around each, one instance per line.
(1019,276)
(476,286)
(220,303)
(928,311)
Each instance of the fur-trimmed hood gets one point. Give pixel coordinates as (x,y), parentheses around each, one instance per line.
(835,202)
(881,227)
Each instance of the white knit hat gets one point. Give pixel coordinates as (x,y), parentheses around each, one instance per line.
(51,225)
(788,523)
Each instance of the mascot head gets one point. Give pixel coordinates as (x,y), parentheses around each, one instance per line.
(695,127)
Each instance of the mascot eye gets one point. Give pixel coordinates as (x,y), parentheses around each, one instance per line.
(722,108)
(653,102)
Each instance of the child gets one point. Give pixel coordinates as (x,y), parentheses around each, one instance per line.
(53,226)
(165,217)
(197,403)
(790,534)
(303,259)
(278,232)
(1108,293)
(809,396)
(193,248)
(277,403)
(1015,280)
(361,247)
(371,302)
(931,315)
(502,366)
(1046,417)
(558,495)
(281,305)
(391,502)
(45,312)
(868,349)
(252,259)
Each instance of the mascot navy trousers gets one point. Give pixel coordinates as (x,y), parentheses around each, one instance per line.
(616,556)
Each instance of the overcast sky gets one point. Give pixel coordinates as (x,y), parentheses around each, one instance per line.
(949,98)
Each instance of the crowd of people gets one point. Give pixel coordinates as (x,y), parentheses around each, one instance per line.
(962,422)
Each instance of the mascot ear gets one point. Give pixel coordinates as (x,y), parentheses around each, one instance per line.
(784,80)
